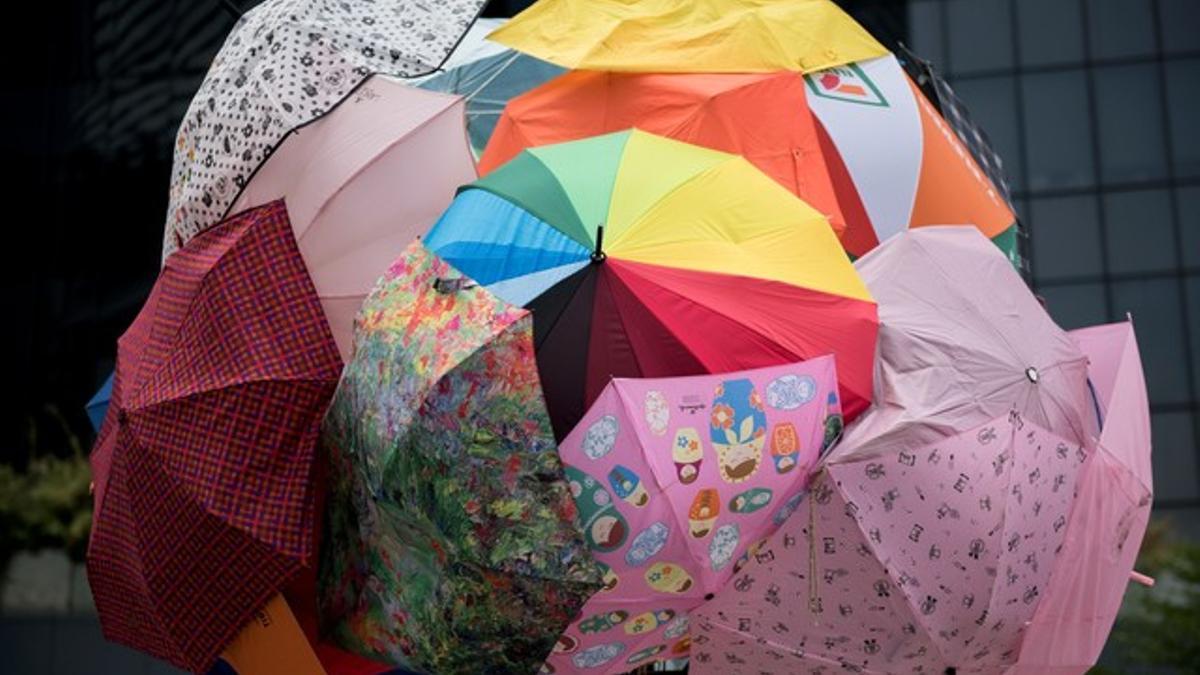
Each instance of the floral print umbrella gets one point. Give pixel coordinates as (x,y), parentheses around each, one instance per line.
(452,542)
(930,560)
(676,480)
(286,63)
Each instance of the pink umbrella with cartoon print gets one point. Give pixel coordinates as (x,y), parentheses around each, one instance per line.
(676,481)
(930,559)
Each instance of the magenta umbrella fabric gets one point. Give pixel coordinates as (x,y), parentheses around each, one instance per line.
(905,561)
(1112,507)
(677,480)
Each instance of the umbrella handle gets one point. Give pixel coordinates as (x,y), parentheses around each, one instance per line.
(1142,579)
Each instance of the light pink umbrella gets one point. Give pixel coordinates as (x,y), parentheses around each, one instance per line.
(931,559)
(361,183)
(1112,507)
(676,481)
(962,340)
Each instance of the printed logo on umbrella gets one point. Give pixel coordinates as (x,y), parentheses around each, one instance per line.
(846,83)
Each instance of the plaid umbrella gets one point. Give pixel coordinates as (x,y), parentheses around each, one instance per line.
(203,503)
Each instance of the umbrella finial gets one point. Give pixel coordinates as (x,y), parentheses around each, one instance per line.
(598,254)
(1032,374)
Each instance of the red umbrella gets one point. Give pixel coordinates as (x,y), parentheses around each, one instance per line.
(203,500)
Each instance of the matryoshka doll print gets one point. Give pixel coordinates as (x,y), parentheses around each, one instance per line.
(785,447)
(833,421)
(703,515)
(688,454)
(738,429)
(628,486)
(604,527)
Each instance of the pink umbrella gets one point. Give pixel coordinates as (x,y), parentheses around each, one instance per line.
(962,340)
(1112,507)
(931,560)
(676,481)
(361,183)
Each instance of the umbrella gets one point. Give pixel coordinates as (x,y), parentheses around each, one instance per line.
(961,341)
(928,560)
(760,116)
(355,196)
(671,527)
(203,504)
(285,64)
(452,542)
(97,405)
(645,257)
(487,74)
(701,36)
(1105,528)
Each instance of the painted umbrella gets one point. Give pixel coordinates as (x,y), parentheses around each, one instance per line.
(453,544)
(1112,506)
(676,479)
(286,63)
(203,500)
(962,340)
(928,560)
(356,196)
(645,257)
(859,142)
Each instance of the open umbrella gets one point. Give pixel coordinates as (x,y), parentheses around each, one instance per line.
(931,559)
(1105,528)
(203,503)
(700,36)
(356,195)
(962,340)
(676,479)
(487,75)
(645,257)
(453,544)
(286,63)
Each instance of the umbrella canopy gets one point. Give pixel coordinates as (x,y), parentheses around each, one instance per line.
(453,542)
(203,503)
(961,341)
(645,257)
(286,63)
(97,405)
(672,527)
(930,560)
(701,36)
(1112,507)
(859,142)
(487,75)
(355,196)
(761,116)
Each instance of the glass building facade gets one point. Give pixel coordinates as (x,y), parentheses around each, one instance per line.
(1093,106)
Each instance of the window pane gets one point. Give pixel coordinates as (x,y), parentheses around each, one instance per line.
(1183,101)
(1174,455)
(1140,233)
(991,102)
(1066,237)
(1155,307)
(1075,305)
(1188,200)
(1179,21)
(1120,28)
(1058,144)
(980,35)
(1129,109)
(1192,284)
(1050,32)
(925,32)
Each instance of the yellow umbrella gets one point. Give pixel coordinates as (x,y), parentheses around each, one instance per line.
(699,36)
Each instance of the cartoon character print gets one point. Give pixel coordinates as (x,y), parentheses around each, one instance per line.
(657,412)
(833,421)
(604,527)
(688,454)
(788,392)
(566,644)
(723,545)
(608,577)
(647,544)
(600,437)
(682,647)
(594,657)
(676,627)
(751,500)
(785,447)
(789,507)
(706,506)
(645,654)
(628,486)
(648,621)
(667,577)
(598,623)
(738,429)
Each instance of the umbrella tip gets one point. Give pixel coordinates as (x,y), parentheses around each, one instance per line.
(1032,374)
